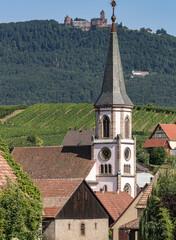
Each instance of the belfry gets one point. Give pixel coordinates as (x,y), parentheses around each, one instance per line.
(113,146)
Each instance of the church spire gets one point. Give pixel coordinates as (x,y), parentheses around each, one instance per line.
(113,89)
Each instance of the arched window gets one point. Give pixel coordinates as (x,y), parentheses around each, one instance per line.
(110,168)
(102,168)
(106,168)
(106,127)
(82,229)
(127,127)
(105,188)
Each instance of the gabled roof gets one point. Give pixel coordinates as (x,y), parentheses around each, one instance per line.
(126,209)
(114,202)
(55,193)
(78,138)
(55,162)
(142,203)
(134,224)
(170,130)
(5,171)
(162,142)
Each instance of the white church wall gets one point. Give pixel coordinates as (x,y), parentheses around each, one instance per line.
(112,160)
(130,181)
(110,182)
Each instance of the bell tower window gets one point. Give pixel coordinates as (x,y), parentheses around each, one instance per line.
(106,127)
(127,127)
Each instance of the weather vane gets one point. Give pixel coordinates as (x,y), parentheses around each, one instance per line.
(113,4)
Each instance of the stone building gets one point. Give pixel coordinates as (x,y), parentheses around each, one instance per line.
(99,22)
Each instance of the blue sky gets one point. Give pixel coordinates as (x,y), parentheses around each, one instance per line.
(134,14)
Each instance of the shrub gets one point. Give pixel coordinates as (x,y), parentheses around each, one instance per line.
(158,155)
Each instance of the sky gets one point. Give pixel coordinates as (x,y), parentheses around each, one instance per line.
(134,14)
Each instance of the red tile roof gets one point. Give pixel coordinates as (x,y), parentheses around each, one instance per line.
(170,130)
(156,143)
(55,193)
(115,203)
(5,171)
(142,203)
(55,162)
(50,212)
(134,224)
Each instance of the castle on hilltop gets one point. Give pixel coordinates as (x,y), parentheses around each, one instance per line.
(85,25)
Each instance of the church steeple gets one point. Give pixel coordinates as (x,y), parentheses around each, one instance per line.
(113,89)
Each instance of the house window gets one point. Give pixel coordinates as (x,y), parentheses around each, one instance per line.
(106,127)
(79,196)
(69,226)
(95,226)
(127,127)
(82,229)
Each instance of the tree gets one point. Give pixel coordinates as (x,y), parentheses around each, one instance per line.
(158,155)
(158,220)
(143,156)
(161,31)
(18,217)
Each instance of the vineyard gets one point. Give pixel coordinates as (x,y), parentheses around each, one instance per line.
(50,122)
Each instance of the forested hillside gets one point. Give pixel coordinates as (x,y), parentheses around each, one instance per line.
(45,62)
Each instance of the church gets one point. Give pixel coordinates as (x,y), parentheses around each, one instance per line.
(106,158)
(96,166)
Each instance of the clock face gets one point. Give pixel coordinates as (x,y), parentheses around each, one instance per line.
(127,154)
(105,153)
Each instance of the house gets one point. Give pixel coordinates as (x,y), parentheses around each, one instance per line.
(164,135)
(139,73)
(72,211)
(5,171)
(126,226)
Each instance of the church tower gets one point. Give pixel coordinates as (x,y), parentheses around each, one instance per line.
(114,147)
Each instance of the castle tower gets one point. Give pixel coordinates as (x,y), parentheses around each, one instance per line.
(114,147)
(67,21)
(102,15)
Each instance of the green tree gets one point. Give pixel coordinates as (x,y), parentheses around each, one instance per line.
(18,216)
(158,155)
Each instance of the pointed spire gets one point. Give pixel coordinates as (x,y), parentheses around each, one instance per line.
(113,89)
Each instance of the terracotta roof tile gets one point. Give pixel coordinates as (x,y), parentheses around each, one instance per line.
(170,130)
(163,142)
(55,193)
(5,171)
(55,162)
(115,203)
(50,212)
(134,224)
(142,203)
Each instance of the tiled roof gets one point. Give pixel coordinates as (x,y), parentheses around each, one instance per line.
(156,143)
(142,203)
(170,130)
(55,193)
(134,224)
(5,171)
(115,203)
(78,138)
(55,162)
(50,212)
